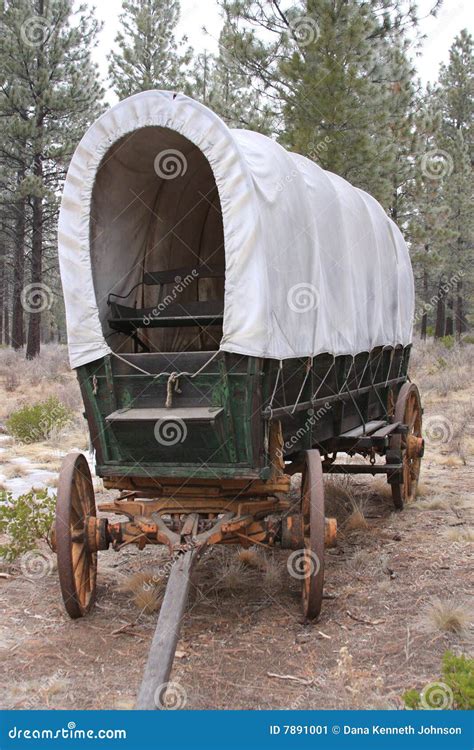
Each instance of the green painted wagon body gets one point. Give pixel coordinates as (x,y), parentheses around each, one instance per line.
(219,421)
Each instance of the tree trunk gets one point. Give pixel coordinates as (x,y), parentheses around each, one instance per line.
(459,317)
(440,313)
(39,293)
(37,297)
(2,291)
(449,326)
(18,328)
(6,326)
(424,317)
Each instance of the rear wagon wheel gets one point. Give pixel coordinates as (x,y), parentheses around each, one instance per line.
(410,445)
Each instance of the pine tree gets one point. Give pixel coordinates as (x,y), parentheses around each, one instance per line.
(218,82)
(454,98)
(319,65)
(427,228)
(149,57)
(49,96)
(442,226)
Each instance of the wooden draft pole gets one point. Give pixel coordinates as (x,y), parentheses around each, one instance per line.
(160,658)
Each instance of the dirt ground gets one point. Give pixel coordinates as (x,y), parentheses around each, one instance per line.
(244,644)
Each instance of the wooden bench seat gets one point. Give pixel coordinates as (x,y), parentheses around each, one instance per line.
(127,319)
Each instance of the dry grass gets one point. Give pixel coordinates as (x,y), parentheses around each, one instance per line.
(25,382)
(441,369)
(437,502)
(460,534)
(273,574)
(232,576)
(379,488)
(13,471)
(422,489)
(446,615)
(356,522)
(440,502)
(251,558)
(147,589)
(346,500)
(360,560)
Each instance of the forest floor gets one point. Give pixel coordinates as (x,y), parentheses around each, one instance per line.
(397,586)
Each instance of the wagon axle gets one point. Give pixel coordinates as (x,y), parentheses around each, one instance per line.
(99,534)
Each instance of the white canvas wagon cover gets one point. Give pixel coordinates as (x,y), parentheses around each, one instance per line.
(312,264)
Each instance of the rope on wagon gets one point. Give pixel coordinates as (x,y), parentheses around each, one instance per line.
(173,380)
(270,403)
(173,377)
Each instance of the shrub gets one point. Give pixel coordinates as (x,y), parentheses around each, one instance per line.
(458,673)
(30,424)
(454,690)
(25,520)
(448,341)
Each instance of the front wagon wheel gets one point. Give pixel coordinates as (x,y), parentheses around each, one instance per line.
(77,564)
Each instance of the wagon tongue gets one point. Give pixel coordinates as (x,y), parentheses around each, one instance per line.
(152,694)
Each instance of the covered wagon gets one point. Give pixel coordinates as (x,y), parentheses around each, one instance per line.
(235,314)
